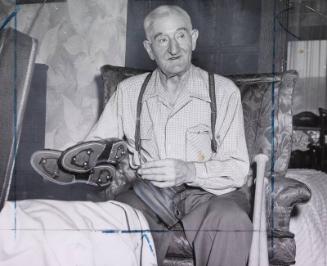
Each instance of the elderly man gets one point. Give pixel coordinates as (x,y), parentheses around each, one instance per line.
(192,169)
(184,130)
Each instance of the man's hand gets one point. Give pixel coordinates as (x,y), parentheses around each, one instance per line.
(168,172)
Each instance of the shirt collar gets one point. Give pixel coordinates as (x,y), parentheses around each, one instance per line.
(196,85)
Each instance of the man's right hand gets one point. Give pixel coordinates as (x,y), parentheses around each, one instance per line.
(168,172)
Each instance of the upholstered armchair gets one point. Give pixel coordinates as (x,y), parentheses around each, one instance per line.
(267,108)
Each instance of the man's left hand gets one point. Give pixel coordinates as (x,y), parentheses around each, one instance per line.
(168,172)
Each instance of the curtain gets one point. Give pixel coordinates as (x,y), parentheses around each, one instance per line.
(309,58)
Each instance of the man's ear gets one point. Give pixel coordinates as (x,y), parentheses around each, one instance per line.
(148,48)
(194,35)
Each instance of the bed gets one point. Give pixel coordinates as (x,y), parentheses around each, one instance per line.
(51,232)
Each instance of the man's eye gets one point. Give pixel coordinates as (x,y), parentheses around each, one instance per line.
(162,40)
(180,35)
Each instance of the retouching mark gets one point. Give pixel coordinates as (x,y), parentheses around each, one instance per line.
(7,19)
(144,235)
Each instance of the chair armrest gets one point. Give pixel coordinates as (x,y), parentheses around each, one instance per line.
(282,195)
(258,252)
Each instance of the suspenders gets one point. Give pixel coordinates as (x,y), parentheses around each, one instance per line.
(138,114)
(212,106)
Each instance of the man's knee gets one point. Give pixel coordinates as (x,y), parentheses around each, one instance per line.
(227,214)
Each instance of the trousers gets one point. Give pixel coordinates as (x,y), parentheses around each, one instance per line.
(217,227)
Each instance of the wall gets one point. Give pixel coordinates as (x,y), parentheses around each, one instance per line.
(75,39)
(232,51)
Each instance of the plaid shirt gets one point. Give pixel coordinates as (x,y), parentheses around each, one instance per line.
(182,131)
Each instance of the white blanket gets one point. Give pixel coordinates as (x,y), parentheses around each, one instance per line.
(49,232)
(310,223)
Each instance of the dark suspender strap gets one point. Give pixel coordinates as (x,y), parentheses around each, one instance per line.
(213,106)
(138,114)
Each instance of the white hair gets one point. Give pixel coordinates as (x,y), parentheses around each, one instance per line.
(164,11)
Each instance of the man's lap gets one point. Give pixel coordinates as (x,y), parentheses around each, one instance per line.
(201,209)
(197,203)
(196,198)
(227,212)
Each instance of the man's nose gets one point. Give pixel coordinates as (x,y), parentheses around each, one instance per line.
(173,47)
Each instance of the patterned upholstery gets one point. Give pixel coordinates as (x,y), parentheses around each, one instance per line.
(257,101)
(287,194)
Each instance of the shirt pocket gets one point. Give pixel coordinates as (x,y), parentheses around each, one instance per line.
(148,145)
(198,143)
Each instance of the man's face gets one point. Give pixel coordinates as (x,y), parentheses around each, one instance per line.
(171,42)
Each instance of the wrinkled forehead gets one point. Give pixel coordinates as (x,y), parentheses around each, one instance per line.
(166,22)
